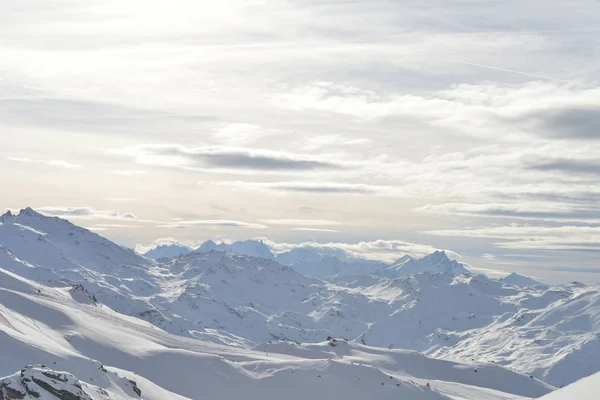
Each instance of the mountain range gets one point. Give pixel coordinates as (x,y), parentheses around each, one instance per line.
(70,296)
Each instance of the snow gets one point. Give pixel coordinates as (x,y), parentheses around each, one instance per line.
(69,293)
(167,251)
(252,248)
(584,389)
(520,280)
(89,349)
(437,262)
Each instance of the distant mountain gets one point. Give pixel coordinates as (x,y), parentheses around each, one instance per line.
(520,280)
(328,262)
(433,304)
(252,248)
(437,262)
(57,243)
(167,251)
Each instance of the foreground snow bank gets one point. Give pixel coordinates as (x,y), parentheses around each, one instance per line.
(584,389)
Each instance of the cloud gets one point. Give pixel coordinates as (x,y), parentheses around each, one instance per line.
(571,122)
(574,238)
(166,241)
(107,226)
(239,134)
(546,211)
(52,163)
(315,230)
(85,213)
(569,166)
(121,199)
(544,109)
(353,101)
(129,172)
(311,187)
(323,141)
(212,223)
(228,158)
(302,222)
(383,250)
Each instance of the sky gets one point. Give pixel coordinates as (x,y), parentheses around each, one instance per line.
(385,127)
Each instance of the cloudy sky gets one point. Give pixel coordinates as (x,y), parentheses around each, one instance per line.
(383,125)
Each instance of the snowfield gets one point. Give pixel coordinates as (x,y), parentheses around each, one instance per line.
(77,341)
(587,388)
(191,325)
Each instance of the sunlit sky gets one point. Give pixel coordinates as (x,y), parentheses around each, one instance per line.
(383,126)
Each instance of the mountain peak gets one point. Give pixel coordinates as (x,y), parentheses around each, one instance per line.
(520,280)
(436,262)
(437,255)
(168,251)
(30,212)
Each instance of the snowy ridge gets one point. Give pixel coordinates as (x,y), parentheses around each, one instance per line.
(167,251)
(46,325)
(437,262)
(439,308)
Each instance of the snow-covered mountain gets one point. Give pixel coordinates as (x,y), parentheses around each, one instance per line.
(167,251)
(56,243)
(252,248)
(328,262)
(437,263)
(64,349)
(433,305)
(520,280)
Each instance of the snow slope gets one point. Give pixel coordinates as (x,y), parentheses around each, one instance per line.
(432,305)
(584,389)
(77,341)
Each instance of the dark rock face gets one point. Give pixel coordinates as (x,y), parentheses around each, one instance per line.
(36,381)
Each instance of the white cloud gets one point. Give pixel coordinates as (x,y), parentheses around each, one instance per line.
(315,230)
(121,199)
(219,158)
(52,163)
(313,187)
(528,210)
(383,250)
(85,213)
(239,134)
(129,172)
(334,141)
(212,223)
(301,222)
(532,237)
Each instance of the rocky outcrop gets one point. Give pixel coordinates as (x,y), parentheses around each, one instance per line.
(39,381)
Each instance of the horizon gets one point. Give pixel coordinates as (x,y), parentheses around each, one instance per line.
(465,126)
(345,252)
